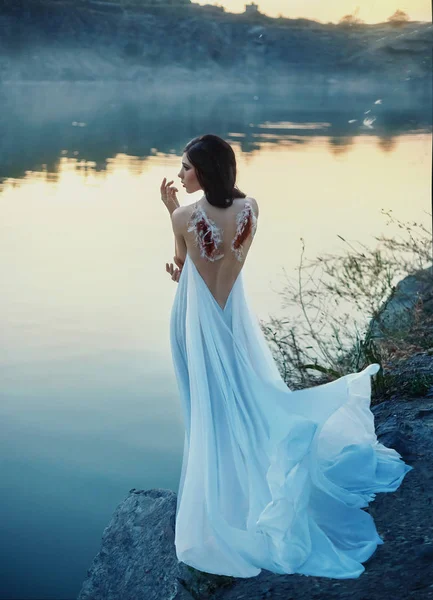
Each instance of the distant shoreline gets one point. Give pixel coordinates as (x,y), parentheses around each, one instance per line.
(188,6)
(92,40)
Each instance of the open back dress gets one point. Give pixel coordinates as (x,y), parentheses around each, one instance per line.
(271,478)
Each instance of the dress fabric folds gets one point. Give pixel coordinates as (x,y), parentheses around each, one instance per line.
(271,478)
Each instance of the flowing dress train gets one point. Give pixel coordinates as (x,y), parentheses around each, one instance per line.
(271,478)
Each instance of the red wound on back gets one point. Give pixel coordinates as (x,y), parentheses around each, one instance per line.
(244,229)
(205,236)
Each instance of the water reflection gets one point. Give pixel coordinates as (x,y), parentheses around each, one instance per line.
(340,145)
(387,143)
(41,123)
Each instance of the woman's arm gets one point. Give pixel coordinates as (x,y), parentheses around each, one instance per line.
(177,221)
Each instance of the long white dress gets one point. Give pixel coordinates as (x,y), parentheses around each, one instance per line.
(271,478)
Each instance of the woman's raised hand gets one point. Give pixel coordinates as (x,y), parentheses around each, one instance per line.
(168,195)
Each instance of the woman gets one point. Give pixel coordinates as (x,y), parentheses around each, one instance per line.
(271,478)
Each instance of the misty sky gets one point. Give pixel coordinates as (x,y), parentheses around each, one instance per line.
(370,11)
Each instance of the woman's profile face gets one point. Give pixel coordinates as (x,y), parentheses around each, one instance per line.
(188,176)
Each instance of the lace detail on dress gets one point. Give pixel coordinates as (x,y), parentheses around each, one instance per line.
(246,222)
(207,234)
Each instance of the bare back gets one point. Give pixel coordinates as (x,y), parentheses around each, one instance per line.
(218,241)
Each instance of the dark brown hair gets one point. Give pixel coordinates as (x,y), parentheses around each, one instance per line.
(215,164)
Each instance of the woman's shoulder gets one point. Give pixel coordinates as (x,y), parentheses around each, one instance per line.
(253,202)
(189,208)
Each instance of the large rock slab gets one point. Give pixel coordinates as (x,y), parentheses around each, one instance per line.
(396,312)
(137,559)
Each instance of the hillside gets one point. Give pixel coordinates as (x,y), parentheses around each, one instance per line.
(73,40)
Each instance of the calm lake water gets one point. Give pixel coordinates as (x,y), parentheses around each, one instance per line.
(89,405)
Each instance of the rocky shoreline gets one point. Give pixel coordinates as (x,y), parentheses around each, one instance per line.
(404,332)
